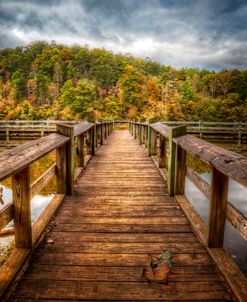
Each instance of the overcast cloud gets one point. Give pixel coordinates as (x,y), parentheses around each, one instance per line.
(202,33)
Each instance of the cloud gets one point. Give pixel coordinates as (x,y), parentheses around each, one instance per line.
(207,34)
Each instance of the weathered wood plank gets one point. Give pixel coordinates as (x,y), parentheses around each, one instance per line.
(97,243)
(70,158)
(120,290)
(227,162)
(22,209)
(82,128)
(117,260)
(13,161)
(6,215)
(43,220)
(236,218)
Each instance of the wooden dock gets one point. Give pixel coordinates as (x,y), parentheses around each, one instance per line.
(97,243)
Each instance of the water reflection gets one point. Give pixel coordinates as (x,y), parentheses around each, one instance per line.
(38,203)
(234,244)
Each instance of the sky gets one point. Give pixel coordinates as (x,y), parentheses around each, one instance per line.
(208,34)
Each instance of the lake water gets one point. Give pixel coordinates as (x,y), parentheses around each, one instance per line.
(234,244)
(38,203)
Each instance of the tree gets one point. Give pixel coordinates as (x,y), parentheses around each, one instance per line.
(132,89)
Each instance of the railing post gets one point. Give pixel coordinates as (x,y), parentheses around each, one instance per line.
(61,173)
(180,170)
(69,131)
(105,132)
(146,136)
(101,133)
(22,209)
(217,211)
(162,155)
(152,142)
(149,140)
(173,132)
(92,141)
(140,134)
(80,151)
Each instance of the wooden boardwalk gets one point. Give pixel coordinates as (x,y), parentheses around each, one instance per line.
(98,242)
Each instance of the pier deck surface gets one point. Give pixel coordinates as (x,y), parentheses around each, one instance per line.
(98,242)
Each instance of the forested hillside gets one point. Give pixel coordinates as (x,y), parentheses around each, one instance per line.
(41,81)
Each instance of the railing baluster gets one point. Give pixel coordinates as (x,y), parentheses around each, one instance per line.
(61,172)
(162,154)
(69,131)
(22,208)
(180,170)
(218,206)
(173,132)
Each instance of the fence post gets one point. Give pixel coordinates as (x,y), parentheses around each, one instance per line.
(153,144)
(180,170)
(149,140)
(69,131)
(61,173)
(22,209)
(92,141)
(162,157)
(80,151)
(173,132)
(218,206)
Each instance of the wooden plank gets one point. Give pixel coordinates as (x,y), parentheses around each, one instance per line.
(119,290)
(120,212)
(80,150)
(43,180)
(235,278)
(43,220)
(199,260)
(122,238)
(121,228)
(13,161)
(22,209)
(70,158)
(6,215)
(217,212)
(11,267)
(232,274)
(195,219)
(123,247)
(61,170)
(227,162)
(162,154)
(161,129)
(236,218)
(109,273)
(173,132)
(180,170)
(82,128)
(124,220)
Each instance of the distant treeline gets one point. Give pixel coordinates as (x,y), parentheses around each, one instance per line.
(54,81)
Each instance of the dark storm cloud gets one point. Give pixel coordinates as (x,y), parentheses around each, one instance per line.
(203,33)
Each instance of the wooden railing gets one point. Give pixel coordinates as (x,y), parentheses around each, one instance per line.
(74,145)
(171,144)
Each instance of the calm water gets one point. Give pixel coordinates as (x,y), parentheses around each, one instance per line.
(39,202)
(234,244)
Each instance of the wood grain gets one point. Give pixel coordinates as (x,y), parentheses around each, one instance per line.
(97,244)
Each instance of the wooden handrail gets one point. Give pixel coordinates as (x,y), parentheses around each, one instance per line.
(229,163)
(224,164)
(13,161)
(16,163)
